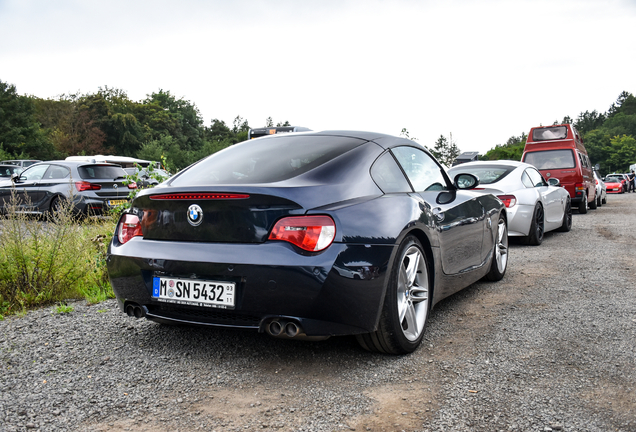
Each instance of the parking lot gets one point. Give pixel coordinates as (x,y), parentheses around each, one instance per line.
(550,347)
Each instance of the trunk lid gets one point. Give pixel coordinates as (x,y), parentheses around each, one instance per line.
(204,216)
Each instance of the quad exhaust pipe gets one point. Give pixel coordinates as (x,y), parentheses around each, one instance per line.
(135,310)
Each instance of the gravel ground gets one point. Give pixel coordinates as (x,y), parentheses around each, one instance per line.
(550,347)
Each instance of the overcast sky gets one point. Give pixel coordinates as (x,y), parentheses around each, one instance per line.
(481,70)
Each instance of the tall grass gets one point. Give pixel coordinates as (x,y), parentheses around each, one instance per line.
(50,259)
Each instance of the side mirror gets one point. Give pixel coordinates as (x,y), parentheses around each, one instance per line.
(466,181)
(15,177)
(552,181)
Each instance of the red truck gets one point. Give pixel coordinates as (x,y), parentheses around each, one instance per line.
(558,152)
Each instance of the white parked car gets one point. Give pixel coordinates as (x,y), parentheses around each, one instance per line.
(601,190)
(533,205)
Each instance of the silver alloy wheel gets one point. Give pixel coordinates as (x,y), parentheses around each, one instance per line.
(501,248)
(412,293)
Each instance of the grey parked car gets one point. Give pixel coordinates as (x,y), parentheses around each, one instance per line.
(94,188)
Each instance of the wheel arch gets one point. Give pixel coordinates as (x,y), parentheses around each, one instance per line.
(424,240)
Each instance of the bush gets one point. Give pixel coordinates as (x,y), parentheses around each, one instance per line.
(51,259)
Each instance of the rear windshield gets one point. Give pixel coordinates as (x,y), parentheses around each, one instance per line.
(101,172)
(486,174)
(550,133)
(266,160)
(6,171)
(551,159)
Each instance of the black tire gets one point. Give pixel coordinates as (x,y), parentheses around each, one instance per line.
(567,217)
(583,204)
(604,200)
(54,208)
(500,252)
(599,201)
(537,227)
(593,204)
(406,303)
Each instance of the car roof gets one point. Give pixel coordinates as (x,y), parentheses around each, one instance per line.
(383,140)
(74,163)
(491,163)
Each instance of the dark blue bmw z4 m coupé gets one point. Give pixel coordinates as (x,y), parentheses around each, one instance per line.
(309,235)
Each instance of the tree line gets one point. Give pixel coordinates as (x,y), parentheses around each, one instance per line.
(163,127)
(108,122)
(610,137)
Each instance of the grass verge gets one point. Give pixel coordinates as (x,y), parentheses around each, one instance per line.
(52,258)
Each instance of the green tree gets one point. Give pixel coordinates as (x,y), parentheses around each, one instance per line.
(20,132)
(623,153)
(184,121)
(587,121)
(511,150)
(599,148)
(445,150)
(218,131)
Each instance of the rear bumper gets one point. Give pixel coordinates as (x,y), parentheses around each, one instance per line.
(519,220)
(94,206)
(337,292)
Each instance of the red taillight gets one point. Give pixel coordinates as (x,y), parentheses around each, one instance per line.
(311,233)
(508,200)
(596,180)
(84,186)
(579,187)
(198,196)
(129,227)
(132,185)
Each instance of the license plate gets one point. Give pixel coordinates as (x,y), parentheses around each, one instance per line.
(114,203)
(194,292)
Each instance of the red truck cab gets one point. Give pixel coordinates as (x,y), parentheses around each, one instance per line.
(558,152)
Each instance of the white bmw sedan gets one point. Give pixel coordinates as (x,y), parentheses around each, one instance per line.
(534,205)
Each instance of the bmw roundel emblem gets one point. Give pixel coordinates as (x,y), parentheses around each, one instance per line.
(195,215)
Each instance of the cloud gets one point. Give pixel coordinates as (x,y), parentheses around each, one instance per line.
(482,71)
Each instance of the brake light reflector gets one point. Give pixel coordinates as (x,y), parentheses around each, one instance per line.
(198,196)
(508,200)
(129,227)
(310,233)
(84,186)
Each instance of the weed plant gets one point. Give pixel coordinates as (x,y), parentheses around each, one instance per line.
(45,260)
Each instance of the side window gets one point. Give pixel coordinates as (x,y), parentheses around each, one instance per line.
(525,179)
(421,169)
(34,173)
(535,177)
(56,172)
(387,175)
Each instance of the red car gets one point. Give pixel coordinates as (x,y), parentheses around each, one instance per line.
(614,184)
